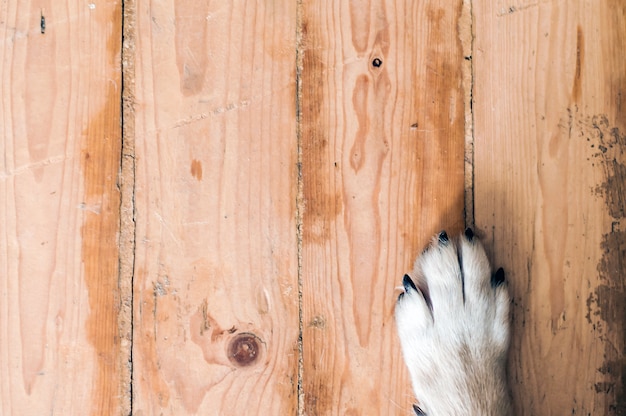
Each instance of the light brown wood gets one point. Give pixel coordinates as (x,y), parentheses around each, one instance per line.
(215,202)
(60,85)
(256,211)
(382,125)
(549,180)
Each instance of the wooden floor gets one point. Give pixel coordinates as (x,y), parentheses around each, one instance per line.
(206,207)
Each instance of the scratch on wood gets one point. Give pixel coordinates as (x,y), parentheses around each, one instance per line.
(30,166)
(95,208)
(168,229)
(515,8)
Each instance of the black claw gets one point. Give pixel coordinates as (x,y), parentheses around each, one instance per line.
(443,237)
(400,296)
(408,283)
(498,278)
(418,411)
(469,234)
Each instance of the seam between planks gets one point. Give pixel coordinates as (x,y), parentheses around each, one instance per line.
(466,34)
(299,202)
(126,184)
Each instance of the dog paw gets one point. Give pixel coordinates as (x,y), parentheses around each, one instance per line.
(453,324)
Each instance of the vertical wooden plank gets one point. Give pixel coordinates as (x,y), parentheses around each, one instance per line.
(382,168)
(550,143)
(216,290)
(60,86)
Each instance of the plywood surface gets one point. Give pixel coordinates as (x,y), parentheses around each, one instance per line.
(549,194)
(60,81)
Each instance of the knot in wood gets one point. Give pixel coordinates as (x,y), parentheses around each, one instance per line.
(244,349)
(377,62)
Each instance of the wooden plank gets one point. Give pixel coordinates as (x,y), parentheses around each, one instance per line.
(382,124)
(215,201)
(550,143)
(60,84)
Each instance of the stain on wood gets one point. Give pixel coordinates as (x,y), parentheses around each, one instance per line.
(60,349)
(580,56)
(548,183)
(196,169)
(99,232)
(375,187)
(607,304)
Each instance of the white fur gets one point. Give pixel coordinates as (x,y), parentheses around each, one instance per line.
(455,348)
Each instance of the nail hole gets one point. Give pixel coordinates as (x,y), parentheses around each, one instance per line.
(377,62)
(244,349)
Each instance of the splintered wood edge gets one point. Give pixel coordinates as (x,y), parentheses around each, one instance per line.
(127,205)
(466,37)
(299,205)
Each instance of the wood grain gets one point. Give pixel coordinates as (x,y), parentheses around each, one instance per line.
(550,143)
(255,212)
(382,124)
(215,203)
(60,83)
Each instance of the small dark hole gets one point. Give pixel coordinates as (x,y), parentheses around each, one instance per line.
(377,62)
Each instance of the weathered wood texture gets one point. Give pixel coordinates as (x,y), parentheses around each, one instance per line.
(549,183)
(216,188)
(253,197)
(60,81)
(382,125)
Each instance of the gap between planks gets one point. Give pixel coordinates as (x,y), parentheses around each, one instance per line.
(126,183)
